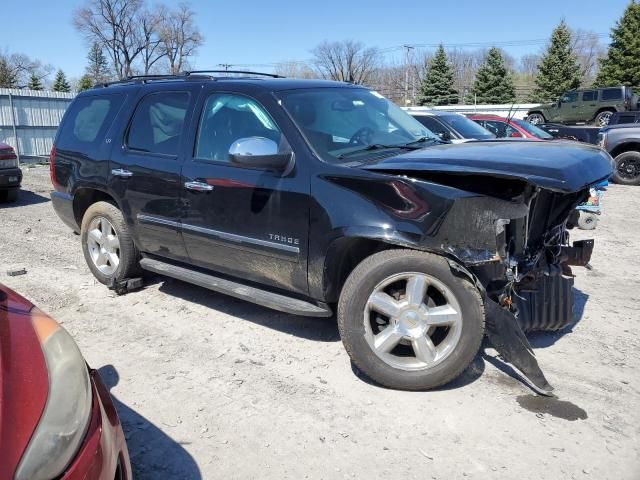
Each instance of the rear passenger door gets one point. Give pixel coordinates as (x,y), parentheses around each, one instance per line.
(145,169)
(589,105)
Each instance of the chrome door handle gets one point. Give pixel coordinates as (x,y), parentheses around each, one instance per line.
(121,172)
(198,186)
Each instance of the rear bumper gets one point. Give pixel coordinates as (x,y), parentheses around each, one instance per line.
(10,178)
(63,206)
(104,450)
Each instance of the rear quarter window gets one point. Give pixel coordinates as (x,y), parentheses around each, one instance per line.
(87,121)
(611,94)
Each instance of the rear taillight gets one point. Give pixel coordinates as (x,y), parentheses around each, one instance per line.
(8,158)
(52,168)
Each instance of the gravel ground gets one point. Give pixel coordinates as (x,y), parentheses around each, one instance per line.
(212,387)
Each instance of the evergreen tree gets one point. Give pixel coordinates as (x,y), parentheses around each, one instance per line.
(558,70)
(60,84)
(98,66)
(621,66)
(34,82)
(494,83)
(8,77)
(85,83)
(437,87)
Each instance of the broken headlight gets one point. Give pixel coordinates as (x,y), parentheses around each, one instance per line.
(66,415)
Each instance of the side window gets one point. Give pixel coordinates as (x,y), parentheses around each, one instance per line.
(431,123)
(570,97)
(590,96)
(86,122)
(158,122)
(497,128)
(611,94)
(227,118)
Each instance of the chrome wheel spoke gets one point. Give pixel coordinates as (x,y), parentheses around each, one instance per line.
(114,261)
(416,289)
(95,235)
(387,340)
(442,316)
(105,227)
(424,349)
(112,243)
(385,304)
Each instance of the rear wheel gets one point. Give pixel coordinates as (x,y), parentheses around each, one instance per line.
(107,245)
(408,322)
(536,119)
(627,169)
(602,119)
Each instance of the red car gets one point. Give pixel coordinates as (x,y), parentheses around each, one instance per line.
(57,419)
(510,127)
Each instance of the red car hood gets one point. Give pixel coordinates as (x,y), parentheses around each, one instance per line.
(24,379)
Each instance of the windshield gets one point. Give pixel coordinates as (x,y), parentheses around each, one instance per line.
(346,124)
(532,129)
(465,127)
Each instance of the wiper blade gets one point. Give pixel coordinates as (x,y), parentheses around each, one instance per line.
(424,140)
(380,146)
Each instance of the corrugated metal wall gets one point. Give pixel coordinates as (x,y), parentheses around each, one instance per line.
(34,120)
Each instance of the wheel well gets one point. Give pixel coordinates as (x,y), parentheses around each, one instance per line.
(84,198)
(536,112)
(343,256)
(625,147)
(605,109)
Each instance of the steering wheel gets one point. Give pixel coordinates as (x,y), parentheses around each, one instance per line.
(364,136)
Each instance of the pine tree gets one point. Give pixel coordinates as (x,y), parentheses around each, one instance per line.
(85,83)
(621,66)
(60,84)
(98,66)
(8,77)
(437,87)
(558,70)
(34,82)
(493,83)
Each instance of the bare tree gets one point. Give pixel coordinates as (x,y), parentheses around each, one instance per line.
(588,49)
(294,69)
(151,27)
(346,61)
(18,70)
(180,37)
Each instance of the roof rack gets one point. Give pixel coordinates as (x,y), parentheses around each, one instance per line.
(241,72)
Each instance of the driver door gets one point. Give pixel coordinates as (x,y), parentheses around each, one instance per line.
(569,108)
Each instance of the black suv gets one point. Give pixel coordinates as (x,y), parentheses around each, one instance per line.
(311,197)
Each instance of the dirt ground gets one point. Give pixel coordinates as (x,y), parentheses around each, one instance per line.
(212,387)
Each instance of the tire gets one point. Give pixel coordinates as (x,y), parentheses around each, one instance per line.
(587,221)
(9,195)
(455,345)
(536,118)
(627,169)
(93,228)
(602,118)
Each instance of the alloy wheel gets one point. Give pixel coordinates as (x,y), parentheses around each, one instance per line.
(103,245)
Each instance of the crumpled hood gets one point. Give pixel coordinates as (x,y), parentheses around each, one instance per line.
(558,166)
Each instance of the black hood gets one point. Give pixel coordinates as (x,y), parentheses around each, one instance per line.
(558,166)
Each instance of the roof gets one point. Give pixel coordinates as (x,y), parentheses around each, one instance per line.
(433,113)
(488,116)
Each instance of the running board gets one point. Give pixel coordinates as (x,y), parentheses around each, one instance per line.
(265,298)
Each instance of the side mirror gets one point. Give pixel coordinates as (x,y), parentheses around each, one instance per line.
(446,136)
(258,152)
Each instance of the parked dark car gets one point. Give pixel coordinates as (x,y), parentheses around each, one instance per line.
(619,118)
(314,197)
(593,105)
(623,143)
(57,419)
(580,133)
(503,127)
(450,126)
(10,174)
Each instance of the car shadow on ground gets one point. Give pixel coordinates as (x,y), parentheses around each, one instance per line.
(25,197)
(153,453)
(309,328)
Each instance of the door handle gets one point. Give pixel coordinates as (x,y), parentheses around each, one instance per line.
(121,172)
(198,186)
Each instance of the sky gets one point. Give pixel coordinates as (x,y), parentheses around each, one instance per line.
(260,32)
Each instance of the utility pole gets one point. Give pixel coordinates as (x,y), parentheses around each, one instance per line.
(226,66)
(408,49)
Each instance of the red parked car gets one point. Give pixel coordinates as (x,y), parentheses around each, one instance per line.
(510,127)
(57,419)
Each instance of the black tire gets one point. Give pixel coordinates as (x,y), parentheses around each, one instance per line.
(9,195)
(129,256)
(599,120)
(353,299)
(627,169)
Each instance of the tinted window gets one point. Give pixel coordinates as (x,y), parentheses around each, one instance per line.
(627,119)
(612,94)
(158,122)
(431,123)
(501,129)
(228,118)
(570,97)
(465,127)
(87,121)
(590,96)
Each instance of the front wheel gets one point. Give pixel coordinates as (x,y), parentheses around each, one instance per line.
(107,244)
(408,322)
(536,119)
(627,169)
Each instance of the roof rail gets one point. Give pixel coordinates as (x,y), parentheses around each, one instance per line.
(242,72)
(148,78)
